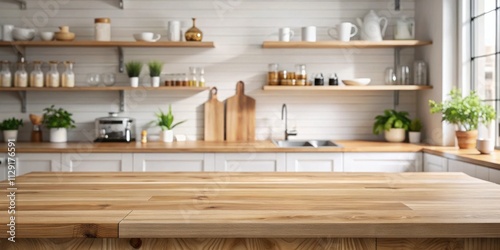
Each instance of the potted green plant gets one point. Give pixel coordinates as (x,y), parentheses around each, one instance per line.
(166,123)
(133,71)
(466,112)
(155,68)
(393,123)
(58,121)
(415,130)
(10,127)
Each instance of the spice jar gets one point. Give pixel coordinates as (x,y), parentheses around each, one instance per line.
(201,81)
(272,74)
(52,77)
(36,75)
(68,77)
(5,75)
(21,76)
(102,29)
(300,74)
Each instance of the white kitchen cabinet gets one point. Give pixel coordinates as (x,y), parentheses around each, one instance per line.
(174,162)
(483,173)
(434,163)
(250,162)
(97,162)
(41,162)
(314,162)
(494,175)
(383,162)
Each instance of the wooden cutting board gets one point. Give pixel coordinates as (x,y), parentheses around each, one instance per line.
(240,116)
(214,118)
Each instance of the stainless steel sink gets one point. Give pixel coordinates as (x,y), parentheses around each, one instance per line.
(305,143)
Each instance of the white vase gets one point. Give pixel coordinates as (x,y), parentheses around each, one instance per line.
(58,135)
(414,137)
(155,81)
(167,135)
(134,82)
(9,135)
(395,135)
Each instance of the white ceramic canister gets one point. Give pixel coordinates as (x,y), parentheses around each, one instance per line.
(102,29)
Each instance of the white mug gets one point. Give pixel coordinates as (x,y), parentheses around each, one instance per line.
(286,34)
(344,31)
(174,31)
(309,34)
(7,32)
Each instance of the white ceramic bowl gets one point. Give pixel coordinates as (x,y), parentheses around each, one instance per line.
(22,34)
(357,81)
(147,37)
(47,35)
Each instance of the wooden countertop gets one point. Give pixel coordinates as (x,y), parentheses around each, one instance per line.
(207,147)
(163,205)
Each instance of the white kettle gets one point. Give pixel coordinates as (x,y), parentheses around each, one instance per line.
(404,29)
(371,27)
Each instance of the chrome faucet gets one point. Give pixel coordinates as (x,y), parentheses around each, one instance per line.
(284,115)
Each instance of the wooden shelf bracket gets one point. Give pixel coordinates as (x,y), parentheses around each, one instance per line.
(121,62)
(22,98)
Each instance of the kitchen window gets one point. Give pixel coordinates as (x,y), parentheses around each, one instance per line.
(484,50)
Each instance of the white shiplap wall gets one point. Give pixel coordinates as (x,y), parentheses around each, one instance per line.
(238,29)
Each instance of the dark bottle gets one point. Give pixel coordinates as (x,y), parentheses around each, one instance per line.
(319,80)
(334,80)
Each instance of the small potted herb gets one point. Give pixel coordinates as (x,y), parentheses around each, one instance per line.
(415,130)
(58,121)
(10,127)
(133,71)
(466,112)
(155,68)
(394,125)
(166,123)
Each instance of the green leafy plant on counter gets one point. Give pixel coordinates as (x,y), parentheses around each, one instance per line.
(11,124)
(155,68)
(57,118)
(391,119)
(415,125)
(166,121)
(465,112)
(133,68)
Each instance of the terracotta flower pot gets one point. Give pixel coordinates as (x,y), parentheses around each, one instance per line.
(466,139)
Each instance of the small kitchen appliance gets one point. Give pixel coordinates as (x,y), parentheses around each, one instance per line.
(114,129)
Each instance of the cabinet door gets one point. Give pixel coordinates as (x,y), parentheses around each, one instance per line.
(97,162)
(174,162)
(314,162)
(383,162)
(464,167)
(250,162)
(494,175)
(37,162)
(434,163)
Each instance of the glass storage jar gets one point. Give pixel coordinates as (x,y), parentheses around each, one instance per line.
(102,29)
(36,75)
(68,77)
(300,74)
(21,76)
(272,74)
(5,75)
(420,73)
(52,78)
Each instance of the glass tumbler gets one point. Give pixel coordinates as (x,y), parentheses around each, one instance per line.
(389,76)
(403,75)
(420,73)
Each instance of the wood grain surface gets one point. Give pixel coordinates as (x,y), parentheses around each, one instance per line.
(253,205)
(214,118)
(240,116)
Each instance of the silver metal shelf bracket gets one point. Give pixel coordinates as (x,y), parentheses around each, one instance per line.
(397,5)
(122,101)
(121,63)
(22,97)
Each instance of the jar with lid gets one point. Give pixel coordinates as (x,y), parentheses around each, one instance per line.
(319,80)
(5,75)
(192,77)
(36,75)
(283,77)
(68,77)
(300,74)
(21,76)
(102,29)
(420,73)
(52,78)
(272,74)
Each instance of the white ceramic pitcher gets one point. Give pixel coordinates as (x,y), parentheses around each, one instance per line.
(371,27)
(405,29)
